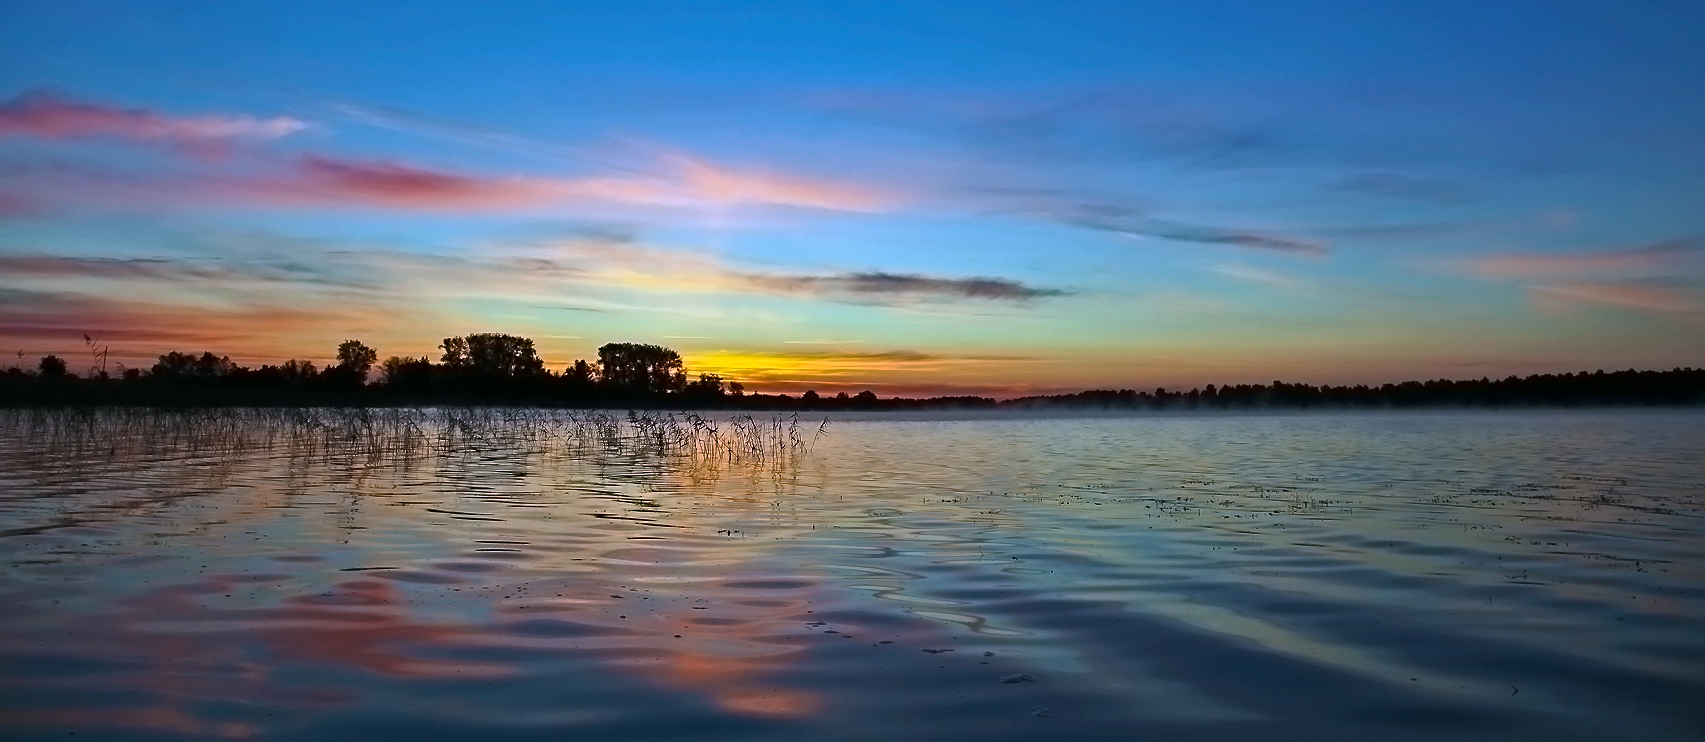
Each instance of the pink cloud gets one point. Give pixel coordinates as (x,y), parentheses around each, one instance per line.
(48,116)
(316,181)
(1652,297)
(334,182)
(1530,265)
(713,183)
(321,180)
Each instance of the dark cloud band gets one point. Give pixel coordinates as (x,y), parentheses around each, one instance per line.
(892,284)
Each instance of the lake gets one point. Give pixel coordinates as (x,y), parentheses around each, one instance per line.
(516,574)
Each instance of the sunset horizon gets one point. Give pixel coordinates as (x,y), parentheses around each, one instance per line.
(923,201)
(926,371)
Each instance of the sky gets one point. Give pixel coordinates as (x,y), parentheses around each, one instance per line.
(912,198)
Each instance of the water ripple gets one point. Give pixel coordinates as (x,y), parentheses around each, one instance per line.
(520,575)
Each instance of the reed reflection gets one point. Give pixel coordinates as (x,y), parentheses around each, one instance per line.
(312,593)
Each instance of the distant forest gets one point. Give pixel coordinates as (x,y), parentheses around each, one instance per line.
(496,369)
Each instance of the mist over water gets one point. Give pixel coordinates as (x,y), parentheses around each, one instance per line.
(491,574)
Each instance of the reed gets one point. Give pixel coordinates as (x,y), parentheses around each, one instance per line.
(378,435)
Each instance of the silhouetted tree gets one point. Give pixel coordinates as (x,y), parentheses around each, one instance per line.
(412,375)
(706,390)
(455,353)
(298,370)
(486,368)
(51,367)
(498,356)
(490,362)
(633,368)
(186,367)
(580,376)
(355,357)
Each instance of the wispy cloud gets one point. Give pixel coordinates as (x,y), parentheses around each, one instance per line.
(1647,258)
(1258,275)
(687,271)
(583,262)
(1651,296)
(1650,279)
(1128,125)
(49,116)
(176,270)
(254,301)
(268,299)
(139,327)
(711,182)
(1235,237)
(406,122)
(658,178)
(322,182)
(878,284)
(1131,222)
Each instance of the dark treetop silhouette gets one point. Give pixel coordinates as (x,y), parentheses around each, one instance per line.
(492,368)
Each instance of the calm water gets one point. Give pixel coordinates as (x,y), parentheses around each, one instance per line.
(1355,576)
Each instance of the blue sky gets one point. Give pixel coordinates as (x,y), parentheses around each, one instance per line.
(973,197)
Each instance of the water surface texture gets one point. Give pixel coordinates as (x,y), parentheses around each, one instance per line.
(488,574)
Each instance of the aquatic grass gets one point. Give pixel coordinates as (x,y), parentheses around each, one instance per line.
(377,436)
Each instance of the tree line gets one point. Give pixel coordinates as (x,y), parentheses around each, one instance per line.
(480,368)
(493,368)
(1676,387)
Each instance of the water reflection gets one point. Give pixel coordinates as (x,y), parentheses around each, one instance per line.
(444,574)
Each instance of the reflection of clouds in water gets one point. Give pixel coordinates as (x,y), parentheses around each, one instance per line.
(163,719)
(735,681)
(485,463)
(463,561)
(177,645)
